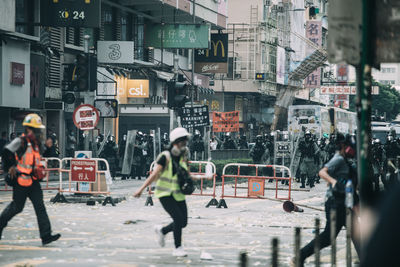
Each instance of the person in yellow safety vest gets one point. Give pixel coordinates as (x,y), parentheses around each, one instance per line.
(168,190)
(22,162)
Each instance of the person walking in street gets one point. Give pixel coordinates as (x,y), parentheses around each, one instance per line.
(168,190)
(22,162)
(336,173)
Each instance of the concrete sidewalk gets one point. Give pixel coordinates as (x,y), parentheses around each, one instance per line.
(98,236)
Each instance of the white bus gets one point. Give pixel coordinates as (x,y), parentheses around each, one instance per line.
(316,119)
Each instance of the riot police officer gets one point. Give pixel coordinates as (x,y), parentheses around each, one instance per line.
(378,160)
(197,146)
(392,149)
(323,155)
(331,147)
(309,159)
(229,143)
(137,167)
(243,142)
(258,150)
(110,154)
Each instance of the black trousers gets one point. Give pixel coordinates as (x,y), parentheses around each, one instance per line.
(325,236)
(35,194)
(178,212)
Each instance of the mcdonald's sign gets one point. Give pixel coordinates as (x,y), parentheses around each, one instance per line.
(214,59)
(218,51)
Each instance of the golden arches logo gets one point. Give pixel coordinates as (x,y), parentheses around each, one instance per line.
(215,47)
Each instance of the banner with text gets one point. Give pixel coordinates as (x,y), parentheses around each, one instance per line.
(195,117)
(226,122)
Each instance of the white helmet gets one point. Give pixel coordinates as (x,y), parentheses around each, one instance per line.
(178,133)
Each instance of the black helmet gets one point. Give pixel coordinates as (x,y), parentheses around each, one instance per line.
(340,138)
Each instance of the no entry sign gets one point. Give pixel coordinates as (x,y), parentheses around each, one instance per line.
(83,170)
(86,117)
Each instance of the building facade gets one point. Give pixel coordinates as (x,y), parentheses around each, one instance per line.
(35,63)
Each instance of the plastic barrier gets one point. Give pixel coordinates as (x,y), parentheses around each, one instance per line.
(88,174)
(200,172)
(256,182)
(48,169)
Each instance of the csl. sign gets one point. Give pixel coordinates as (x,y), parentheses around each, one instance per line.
(83,170)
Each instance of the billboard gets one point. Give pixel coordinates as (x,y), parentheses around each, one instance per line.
(132,88)
(115,52)
(178,36)
(215,59)
(108,108)
(81,13)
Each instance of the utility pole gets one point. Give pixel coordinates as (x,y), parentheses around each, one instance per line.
(193,52)
(364,86)
(87,95)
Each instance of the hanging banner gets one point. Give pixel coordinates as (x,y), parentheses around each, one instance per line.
(314,34)
(280,65)
(224,122)
(195,117)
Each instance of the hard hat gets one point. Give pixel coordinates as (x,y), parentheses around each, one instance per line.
(178,133)
(33,120)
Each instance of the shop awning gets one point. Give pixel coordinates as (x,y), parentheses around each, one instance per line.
(163,75)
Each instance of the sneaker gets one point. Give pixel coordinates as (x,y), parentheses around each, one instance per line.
(160,235)
(50,238)
(179,252)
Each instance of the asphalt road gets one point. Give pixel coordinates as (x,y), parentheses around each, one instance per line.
(123,235)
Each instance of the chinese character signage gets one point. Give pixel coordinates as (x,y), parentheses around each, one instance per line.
(215,59)
(314,34)
(344,90)
(224,122)
(260,76)
(195,117)
(178,36)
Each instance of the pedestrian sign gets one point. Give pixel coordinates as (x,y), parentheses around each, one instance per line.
(83,170)
(256,187)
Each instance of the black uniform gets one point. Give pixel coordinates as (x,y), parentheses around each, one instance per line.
(378,162)
(392,149)
(309,161)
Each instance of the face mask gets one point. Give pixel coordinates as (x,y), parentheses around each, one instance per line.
(175,151)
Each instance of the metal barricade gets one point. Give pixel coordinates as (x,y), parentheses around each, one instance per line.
(200,172)
(75,187)
(46,179)
(255,183)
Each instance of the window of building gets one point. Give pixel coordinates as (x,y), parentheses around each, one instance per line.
(109,21)
(126,27)
(138,36)
(25,16)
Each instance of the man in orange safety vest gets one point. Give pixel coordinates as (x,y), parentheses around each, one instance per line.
(22,163)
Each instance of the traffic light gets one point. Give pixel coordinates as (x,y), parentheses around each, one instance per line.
(177,94)
(85,73)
